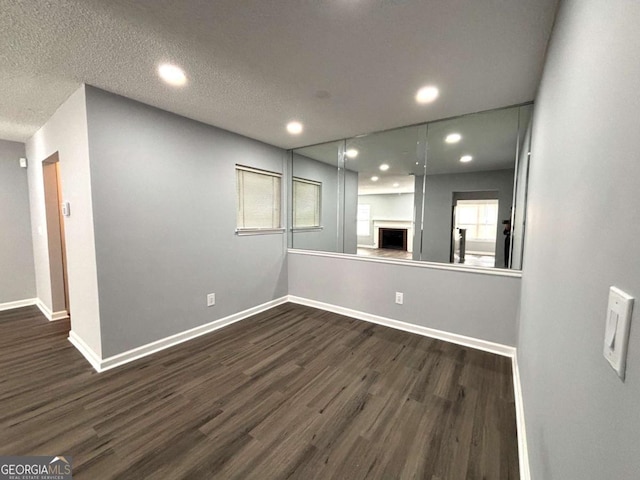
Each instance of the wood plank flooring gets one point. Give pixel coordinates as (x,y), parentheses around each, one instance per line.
(292,393)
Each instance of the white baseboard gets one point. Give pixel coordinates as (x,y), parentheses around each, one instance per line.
(17,304)
(523,450)
(92,357)
(134,354)
(51,316)
(61,315)
(476,343)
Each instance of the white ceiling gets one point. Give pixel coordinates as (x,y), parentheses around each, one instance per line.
(342,67)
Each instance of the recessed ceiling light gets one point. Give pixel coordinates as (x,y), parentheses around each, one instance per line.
(172,74)
(384,167)
(466,158)
(396,185)
(427,94)
(374,179)
(352,153)
(294,128)
(453,138)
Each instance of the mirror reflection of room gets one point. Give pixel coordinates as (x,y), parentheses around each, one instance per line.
(322,200)
(450,191)
(387,165)
(314,197)
(469,189)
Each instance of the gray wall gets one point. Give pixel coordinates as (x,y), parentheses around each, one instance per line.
(583,226)
(471,304)
(436,237)
(325,240)
(393,206)
(17,277)
(164,197)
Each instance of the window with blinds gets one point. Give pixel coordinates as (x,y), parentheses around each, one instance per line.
(307,195)
(259,197)
(478,217)
(364,220)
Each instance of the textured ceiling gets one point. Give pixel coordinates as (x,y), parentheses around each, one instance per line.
(342,67)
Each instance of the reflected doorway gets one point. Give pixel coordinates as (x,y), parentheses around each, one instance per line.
(474,229)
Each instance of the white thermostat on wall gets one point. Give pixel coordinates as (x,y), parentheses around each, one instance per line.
(616,332)
(66,209)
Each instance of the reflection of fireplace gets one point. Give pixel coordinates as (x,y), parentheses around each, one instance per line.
(393,238)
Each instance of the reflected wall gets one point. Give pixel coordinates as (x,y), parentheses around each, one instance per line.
(450,191)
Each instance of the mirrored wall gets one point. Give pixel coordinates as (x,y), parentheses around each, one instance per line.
(450,191)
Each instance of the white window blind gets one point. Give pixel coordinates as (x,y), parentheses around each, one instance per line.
(364,221)
(259,195)
(479,217)
(306,203)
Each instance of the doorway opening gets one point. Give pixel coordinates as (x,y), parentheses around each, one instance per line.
(56,237)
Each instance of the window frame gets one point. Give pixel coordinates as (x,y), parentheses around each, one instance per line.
(316,183)
(475,227)
(240,199)
(368,220)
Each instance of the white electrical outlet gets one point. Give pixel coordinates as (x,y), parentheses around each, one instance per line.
(211,299)
(399,298)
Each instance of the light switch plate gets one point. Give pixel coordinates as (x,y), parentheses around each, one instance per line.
(617,326)
(399,298)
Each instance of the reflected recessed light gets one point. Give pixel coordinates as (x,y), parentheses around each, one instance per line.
(384,167)
(396,185)
(172,74)
(466,158)
(453,138)
(294,128)
(352,153)
(374,179)
(427,94)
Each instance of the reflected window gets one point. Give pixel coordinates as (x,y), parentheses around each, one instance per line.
(479,218)
(306,203)
(259,194)
(364,220)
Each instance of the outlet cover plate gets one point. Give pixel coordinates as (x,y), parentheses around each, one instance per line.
(211,299)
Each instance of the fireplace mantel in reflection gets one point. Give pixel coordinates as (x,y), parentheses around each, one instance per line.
(406,224)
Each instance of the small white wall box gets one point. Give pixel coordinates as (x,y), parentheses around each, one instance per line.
(66,209)
(211,299)
(616,335)
(23,162)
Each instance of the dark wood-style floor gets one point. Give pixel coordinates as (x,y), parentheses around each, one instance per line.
(290,393)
